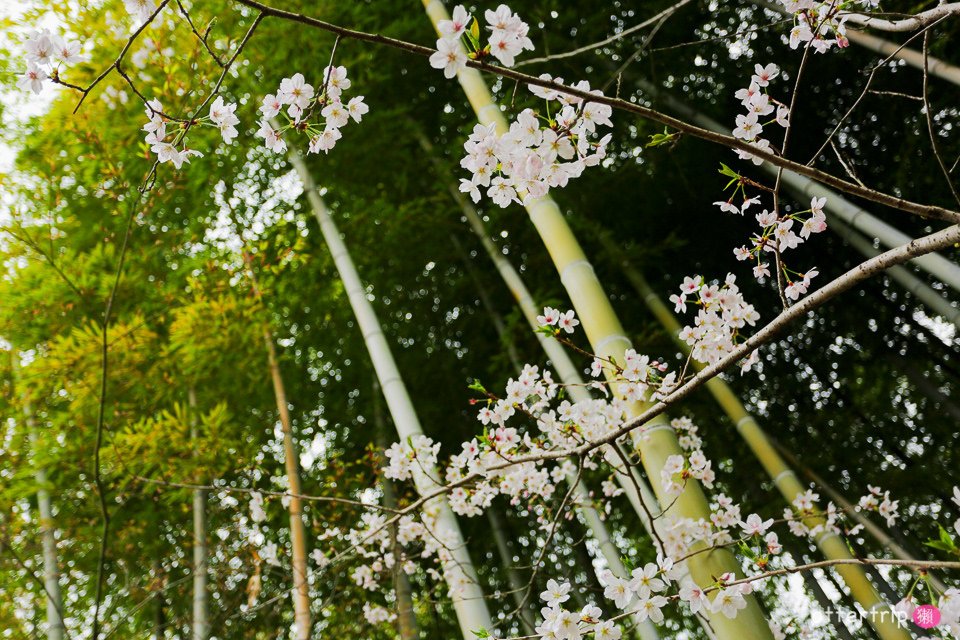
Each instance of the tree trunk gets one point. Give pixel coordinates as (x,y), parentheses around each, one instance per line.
(468,598)
(201,624)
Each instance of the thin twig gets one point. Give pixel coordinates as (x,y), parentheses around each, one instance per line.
(929,118)
(617,36)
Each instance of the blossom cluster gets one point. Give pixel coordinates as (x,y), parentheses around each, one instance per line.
(562,624)
(778,232)
(777,236)
(320,117)
(524,454)
(47,54)
(805,518)
(416,539)
(539,151)
(460,39)
(880,502)
(141,9)
(758,103)
(565,320)
(156,137)
(819,25)
(677,469)
(723,313)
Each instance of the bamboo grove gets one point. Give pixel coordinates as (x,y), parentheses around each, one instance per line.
(326,319)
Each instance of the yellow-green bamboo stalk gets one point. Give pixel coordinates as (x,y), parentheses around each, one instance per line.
(567,372)
(875,530)
(291,456)
(831,545)
(608,340)
(468,598)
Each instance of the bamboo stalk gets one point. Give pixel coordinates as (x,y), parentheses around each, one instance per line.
(298,534)
(582,501)
(468,598)
(407,627)
(608,340)
(869,526)
(920,289)
(201,623)
(784,478)
(48,540)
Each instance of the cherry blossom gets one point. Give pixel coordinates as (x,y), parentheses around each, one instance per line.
(47,56)
(754,525)
(32,78)
(320,117)
(141,9)
(449,56)
(223,116)
(722,315)
(156,129)
(537,153)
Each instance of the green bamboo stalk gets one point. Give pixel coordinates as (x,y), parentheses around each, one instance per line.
(831,545)
(608,340)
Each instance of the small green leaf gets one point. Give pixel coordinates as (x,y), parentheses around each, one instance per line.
(727,171)
(946,538)
(475,31)
(659,139)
